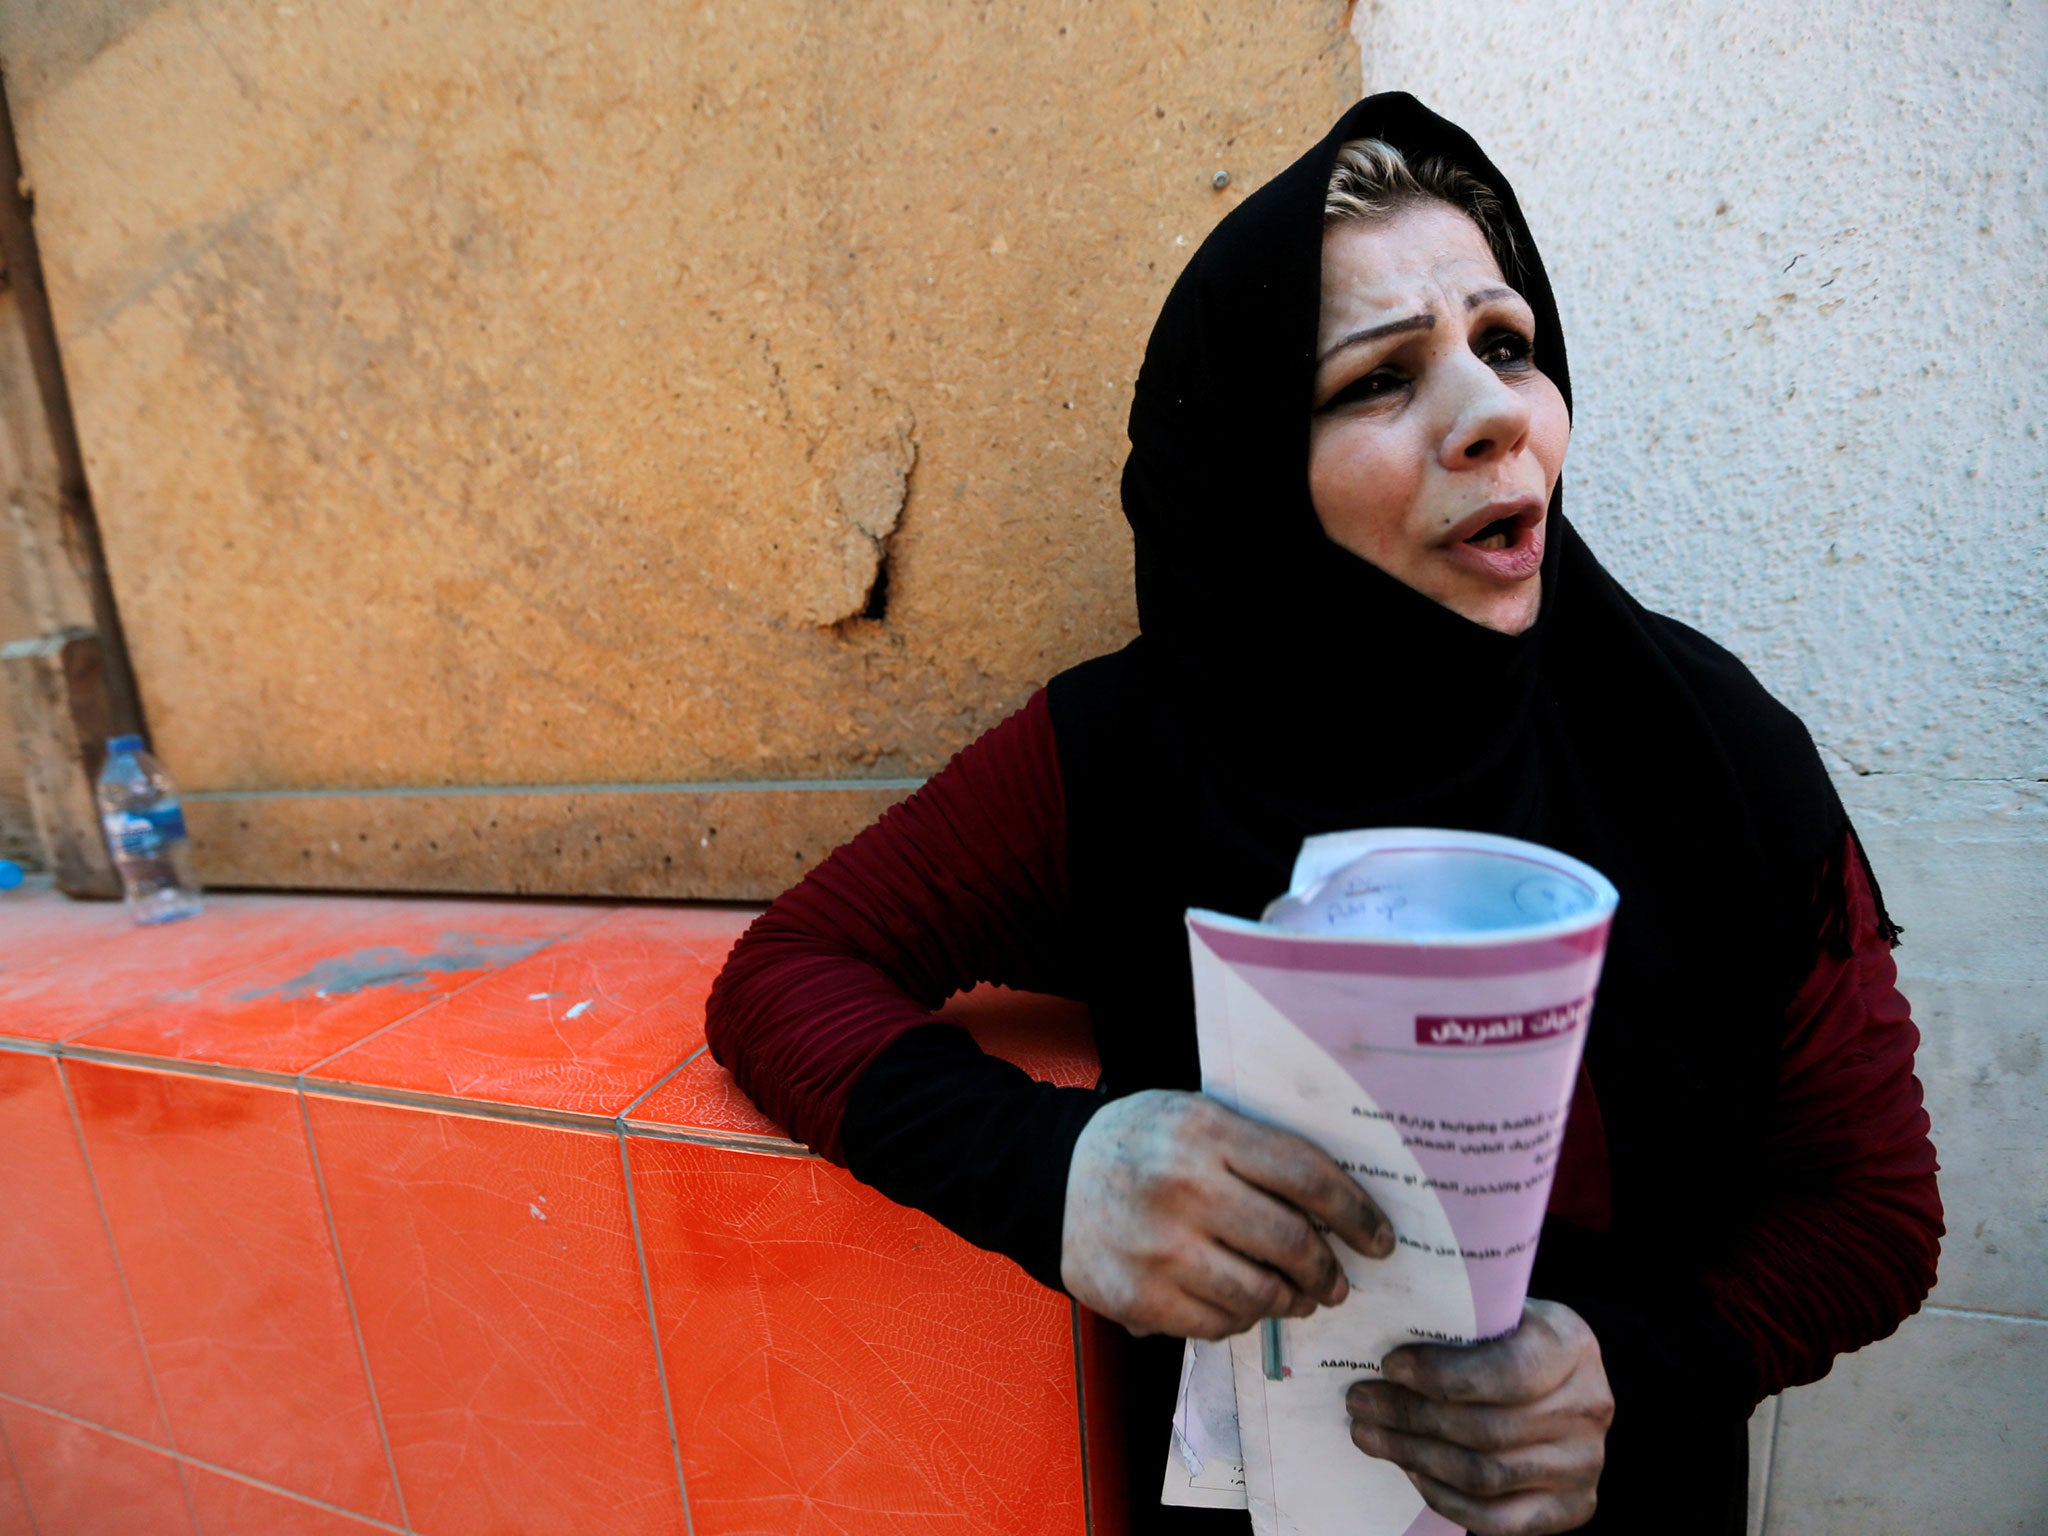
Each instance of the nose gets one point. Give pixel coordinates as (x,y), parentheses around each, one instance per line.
(1489,419)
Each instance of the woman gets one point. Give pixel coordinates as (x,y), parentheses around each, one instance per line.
(1361,605)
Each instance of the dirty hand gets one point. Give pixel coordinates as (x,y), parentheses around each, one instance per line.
(1506,1438)
(1188,1219)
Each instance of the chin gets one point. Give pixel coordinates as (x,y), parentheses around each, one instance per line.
(1509,611)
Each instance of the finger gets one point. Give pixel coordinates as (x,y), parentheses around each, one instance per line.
(1308,1178)
(1271,1232)
(1555,1467)
(1245,1291)
(1475,1426)
(1182,1316)
(1528,1364)
(1519,1514)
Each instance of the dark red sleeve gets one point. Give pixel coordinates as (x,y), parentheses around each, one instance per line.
(1844,1248)
(962,883)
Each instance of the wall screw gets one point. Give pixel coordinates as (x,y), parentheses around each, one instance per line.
(1220,180)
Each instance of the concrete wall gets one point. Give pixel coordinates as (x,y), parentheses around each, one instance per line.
(1799,249)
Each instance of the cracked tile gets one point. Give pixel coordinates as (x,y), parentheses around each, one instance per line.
(47,961)
(217,1218)
(356,965)
(841,1366)
(585,1024)
(495,1274)
(66,1337)
(228,1507)
(83,1482)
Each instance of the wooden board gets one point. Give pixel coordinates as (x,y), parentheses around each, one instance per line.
(620,391)
(41,593)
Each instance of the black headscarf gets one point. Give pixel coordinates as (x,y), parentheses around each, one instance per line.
(1283,686)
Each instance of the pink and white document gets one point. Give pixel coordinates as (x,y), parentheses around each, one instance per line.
(1416,1005)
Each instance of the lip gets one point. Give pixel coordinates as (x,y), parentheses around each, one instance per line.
(1523,556)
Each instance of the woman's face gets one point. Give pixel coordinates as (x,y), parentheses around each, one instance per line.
(1436,441)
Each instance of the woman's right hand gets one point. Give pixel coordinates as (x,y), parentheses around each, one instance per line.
(1186,1218)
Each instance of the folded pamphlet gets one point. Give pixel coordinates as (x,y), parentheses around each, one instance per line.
(1416,1005)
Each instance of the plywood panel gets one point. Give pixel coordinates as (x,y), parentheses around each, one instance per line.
(733,843)
(40,590)
(622,391)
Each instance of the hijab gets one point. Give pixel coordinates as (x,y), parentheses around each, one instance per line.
(1282,686)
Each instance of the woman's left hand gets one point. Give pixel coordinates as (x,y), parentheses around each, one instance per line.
(1507,1438)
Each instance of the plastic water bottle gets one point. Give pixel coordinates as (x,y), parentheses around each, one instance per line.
(146,834)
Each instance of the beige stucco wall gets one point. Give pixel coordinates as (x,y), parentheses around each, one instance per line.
(532,395)
(1799,249)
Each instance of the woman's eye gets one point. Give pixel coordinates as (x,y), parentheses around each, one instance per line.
(1377,385)
(1506,349)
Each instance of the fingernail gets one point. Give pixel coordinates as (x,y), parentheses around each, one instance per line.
(1383,1241)
(1340,1290)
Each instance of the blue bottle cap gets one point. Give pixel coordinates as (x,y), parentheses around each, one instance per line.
(10,874)
(124,743)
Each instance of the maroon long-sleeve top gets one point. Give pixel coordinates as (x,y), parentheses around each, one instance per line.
(966,882)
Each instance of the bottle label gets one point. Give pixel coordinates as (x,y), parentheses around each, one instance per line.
(145,834)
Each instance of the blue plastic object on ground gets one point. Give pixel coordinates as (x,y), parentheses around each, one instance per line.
(10,874)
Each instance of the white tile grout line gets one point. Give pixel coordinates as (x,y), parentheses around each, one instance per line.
(661,1082)
(582,1121)
(92,1179)
(184,1460)
(14,1471)
(668,1412)
(348,1296)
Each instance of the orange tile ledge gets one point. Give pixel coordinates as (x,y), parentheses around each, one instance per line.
(338,1214)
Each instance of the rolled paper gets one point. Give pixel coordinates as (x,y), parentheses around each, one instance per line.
(1416,1004)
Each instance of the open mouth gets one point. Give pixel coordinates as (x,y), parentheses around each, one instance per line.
(1507,547)
(1498,534)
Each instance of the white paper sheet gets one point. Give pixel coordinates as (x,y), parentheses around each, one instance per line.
(1206,1467)
(1416,1006)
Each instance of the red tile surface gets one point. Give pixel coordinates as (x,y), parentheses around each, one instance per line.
(840,1366)
(33,920)
(79,964)
(66,1336)
(1046,1036)
(586,1024)
(495,1275)
(81,1482)
(216,1215)
(361,965)
(703,1096)
(228,1507)
(14,1519)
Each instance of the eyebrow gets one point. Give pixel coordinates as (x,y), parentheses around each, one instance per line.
(1375,332)
(1488,295)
